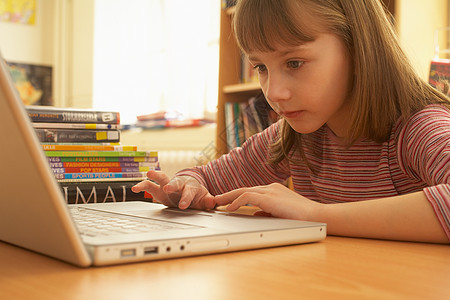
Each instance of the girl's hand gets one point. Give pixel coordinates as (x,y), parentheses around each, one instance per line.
(274,199)
(180,191)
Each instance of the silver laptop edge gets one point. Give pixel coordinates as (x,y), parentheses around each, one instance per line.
(64,242)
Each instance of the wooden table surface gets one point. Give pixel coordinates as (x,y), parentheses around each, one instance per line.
(336,268)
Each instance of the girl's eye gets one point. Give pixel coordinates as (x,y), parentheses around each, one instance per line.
(260,68)
(295,64)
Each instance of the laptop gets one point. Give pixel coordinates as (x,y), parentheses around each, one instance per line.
(34,215)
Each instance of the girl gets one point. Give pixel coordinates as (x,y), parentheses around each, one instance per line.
(365,141)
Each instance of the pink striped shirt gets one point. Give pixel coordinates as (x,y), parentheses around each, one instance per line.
(416,157)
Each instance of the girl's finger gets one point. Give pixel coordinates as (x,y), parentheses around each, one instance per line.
(228,197)
(159,177)
(240,201)
(145,185)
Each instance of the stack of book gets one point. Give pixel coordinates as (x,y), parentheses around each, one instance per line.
(84,152)
(162,119)
(244,119)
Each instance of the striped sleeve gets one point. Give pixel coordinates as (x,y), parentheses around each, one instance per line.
(243,167)
(439,197)
(426,155)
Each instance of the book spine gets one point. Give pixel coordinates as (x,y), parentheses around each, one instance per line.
(75,126)
(99,170)
(249,121)
(230,126)
(141,159)
(238,123)
(151,123)
(183,123)
(59,147)
(264,111)
(254,112)
(245,121)
(98,180)
(140,175)
(74,135)
(154,124)
(101,153)
(103,164)
(439,73)
(101,192)
(52,115)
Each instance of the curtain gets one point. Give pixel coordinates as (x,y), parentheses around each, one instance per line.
(156,55)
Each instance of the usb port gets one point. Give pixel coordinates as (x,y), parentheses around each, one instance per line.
(150,250)
(127,252)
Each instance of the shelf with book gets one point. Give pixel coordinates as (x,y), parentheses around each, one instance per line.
(232,89)
(247,118)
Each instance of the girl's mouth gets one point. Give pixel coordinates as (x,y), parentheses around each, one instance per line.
(291,114)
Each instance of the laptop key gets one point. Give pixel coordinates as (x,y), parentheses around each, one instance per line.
(98,223)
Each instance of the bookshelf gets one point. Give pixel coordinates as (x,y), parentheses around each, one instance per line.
(231,89)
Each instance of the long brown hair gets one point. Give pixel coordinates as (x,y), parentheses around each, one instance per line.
(385,87)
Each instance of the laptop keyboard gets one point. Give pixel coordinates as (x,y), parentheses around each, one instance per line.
(96,223)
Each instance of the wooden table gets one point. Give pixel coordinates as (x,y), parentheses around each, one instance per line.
(336,268)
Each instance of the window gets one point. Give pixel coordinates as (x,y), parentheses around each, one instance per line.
(154,55)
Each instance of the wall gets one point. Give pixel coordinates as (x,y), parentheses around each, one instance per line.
(417,21)
(30,43)
(63,38)
(83,54)
(73,52)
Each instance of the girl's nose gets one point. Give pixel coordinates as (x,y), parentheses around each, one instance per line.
(276,89)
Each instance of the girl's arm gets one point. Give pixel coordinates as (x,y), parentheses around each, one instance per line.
(408,217)
(243,166)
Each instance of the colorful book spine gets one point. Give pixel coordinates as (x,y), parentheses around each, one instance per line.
(147,159)
(98,170)
(77,136)
(73,147)
(97,180)
(439,74)
(60,115)
(170,123)
(75,126)
(140,175)
(230,124)
(100,153)
(237,124)
(101,192)
(255,114)
(112,164)
(250,127)
(247,118)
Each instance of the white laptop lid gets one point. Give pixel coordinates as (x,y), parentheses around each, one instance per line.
(33,213)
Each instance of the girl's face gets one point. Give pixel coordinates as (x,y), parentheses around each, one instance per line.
(307,85)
